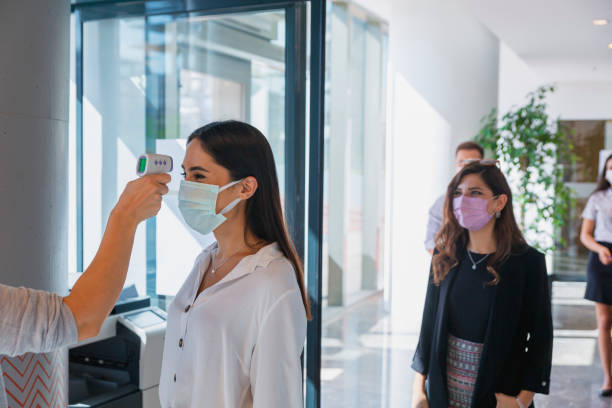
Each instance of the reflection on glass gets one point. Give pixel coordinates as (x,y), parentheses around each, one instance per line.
(204,97)
(147,86)
(354,174)
(588,138)
(354,208)
(215,68)
(113,128)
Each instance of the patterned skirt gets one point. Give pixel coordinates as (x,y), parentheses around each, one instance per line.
(462,362)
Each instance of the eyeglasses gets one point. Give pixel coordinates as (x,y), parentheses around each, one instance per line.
(484,162)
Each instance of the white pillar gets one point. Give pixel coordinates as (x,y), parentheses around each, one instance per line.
(34,72)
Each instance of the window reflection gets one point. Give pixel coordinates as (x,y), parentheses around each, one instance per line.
(173,75)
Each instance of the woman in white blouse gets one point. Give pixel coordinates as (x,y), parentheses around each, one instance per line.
(237,326)
(596,235)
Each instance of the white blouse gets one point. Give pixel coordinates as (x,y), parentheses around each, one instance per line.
(238,344)
(599,209)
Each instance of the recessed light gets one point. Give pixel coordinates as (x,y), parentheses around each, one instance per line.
(610,46)
(600,22)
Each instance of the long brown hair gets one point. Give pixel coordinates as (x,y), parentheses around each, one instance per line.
(603,183)
(244,151)
(452,239)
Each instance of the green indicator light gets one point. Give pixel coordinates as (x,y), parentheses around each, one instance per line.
(143,165)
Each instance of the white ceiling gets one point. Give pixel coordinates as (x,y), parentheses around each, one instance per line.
(556,37)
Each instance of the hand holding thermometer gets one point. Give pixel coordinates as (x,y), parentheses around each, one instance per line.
(153,164)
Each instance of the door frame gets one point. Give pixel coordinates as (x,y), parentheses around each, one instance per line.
(303,179)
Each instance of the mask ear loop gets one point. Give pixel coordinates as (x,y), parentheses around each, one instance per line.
(234,203)
(230,206)
(233,183)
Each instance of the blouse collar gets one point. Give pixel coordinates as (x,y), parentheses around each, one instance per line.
(247,265)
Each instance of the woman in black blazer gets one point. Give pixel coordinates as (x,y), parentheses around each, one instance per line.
(486,335)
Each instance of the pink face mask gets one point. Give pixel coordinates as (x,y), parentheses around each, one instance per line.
(471,212)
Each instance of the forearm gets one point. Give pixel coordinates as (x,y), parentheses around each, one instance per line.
(95,293)
(418,385)
(589,241)
(526,397)
(33,321)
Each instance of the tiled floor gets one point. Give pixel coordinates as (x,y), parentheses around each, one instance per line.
(367,364)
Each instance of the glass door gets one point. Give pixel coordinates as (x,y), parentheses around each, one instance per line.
(146,83)
(145,74)
(201,69)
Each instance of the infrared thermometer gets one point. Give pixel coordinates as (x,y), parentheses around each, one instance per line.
(153,164)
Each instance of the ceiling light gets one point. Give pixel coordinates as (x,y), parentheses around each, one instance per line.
(610,46)
(600,22)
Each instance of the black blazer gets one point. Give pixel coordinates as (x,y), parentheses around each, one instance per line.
(517,349)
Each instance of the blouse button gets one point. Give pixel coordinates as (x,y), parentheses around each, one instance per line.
(181,343)
(543,383)
(187,308)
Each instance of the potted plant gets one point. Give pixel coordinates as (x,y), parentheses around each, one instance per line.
(533,150)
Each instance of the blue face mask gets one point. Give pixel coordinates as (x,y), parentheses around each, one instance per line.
(198,202)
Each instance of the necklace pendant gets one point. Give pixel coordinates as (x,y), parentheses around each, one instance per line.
(474,267)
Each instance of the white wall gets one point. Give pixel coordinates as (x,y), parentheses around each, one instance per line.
(443,77)
(516,79)
(583,100)
(575,99)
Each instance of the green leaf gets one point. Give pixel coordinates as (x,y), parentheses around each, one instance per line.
(535,148)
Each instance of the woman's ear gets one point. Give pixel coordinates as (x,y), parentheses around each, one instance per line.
(501,202)
(248,187)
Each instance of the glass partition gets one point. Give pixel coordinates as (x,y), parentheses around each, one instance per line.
(148,82)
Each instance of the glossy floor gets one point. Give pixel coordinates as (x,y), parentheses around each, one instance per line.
(367,364)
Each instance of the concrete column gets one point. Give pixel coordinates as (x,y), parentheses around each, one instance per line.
(34,71)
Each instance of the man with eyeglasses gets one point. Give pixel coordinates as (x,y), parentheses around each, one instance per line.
(466,153)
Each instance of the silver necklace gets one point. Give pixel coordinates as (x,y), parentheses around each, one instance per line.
(474,264)
(213,268)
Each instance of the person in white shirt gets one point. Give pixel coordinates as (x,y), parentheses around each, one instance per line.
(237,326)
(466,153)
(596,235)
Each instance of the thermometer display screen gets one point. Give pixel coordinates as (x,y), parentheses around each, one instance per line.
(142,165)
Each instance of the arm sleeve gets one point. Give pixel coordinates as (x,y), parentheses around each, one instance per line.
(34,321)
(434,223)
(276,366)
(590,211)
(420,361)
(538,346)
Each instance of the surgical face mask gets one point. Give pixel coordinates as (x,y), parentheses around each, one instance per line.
(471,212)
(609,176)
(198,202)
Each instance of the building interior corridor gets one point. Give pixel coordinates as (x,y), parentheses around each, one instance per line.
(363,104)
(365,359)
